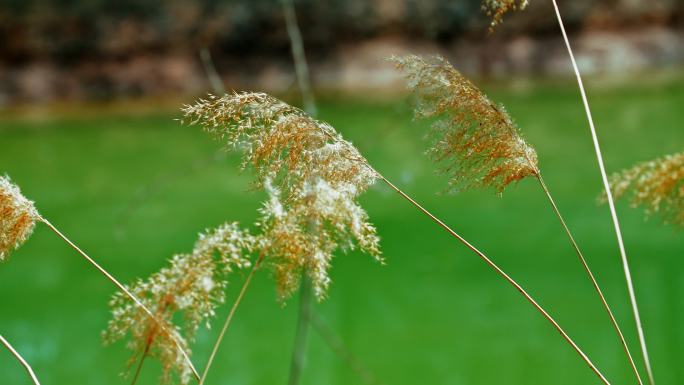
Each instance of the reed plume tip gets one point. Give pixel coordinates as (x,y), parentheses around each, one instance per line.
(18,217)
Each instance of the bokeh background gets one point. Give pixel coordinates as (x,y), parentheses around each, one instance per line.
(89,94)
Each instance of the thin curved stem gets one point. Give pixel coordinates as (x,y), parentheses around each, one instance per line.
(21,359)
(229,318)
(123,288)
(611,203)
(594,282)
(503,274)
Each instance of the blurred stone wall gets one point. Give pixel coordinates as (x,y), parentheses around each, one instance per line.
(102,49)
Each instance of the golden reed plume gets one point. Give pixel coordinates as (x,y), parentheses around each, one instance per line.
(656,185)
(313,178)
(474,140)
(18,217)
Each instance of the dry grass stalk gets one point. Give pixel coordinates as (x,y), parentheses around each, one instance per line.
(475,141)
(611,203)
(656,185)
(21,359)
(189,289)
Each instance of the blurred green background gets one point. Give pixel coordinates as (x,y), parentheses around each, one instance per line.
(132,187)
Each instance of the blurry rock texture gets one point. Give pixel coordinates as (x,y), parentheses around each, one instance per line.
(100,49)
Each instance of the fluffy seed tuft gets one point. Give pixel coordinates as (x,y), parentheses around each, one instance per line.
(313,178)
(182,296)
(17,217)
(474,140)
(656,185)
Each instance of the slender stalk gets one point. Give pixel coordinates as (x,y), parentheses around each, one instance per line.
(142,361)
(503,274)
(299,57)
(21,359)
(229,318)
(336,344)
(213,76)
(575,246)
(304,82)
(298,359)
(611,203)
(124,290)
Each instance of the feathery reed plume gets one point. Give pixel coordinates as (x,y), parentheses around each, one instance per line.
(21,359)
(475,141)
(313,178)
(192,287)
(17,217)
(497,8)
(254,116)
(443,91)
(656,185)
(609,198)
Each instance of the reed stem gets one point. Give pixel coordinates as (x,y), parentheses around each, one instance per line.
(21,359)
(611,203)
(142,361)
(229,318)
(503,274)
(125,291)
(304,83)
(299,57)
(575,246)
(298,359)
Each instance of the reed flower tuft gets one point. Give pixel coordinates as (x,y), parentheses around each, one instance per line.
(313,178)
(656,185)
(497,8)
(474,140)
(185,292)
(17,217)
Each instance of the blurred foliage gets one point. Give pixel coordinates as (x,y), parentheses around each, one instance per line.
(68,29)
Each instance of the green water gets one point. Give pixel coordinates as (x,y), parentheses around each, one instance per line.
(134,189)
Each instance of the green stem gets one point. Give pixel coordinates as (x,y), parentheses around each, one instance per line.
(301,338)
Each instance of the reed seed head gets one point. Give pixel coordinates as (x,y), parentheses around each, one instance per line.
(17,217)
(313,178)
(474,140)
(183,296)
(301,236)
(656,185)
(496,9)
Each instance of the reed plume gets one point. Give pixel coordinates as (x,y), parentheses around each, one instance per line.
(18,217)
(189,290)
(474,140)
(481,145)
(496,9)
(313,178)
(656,185)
